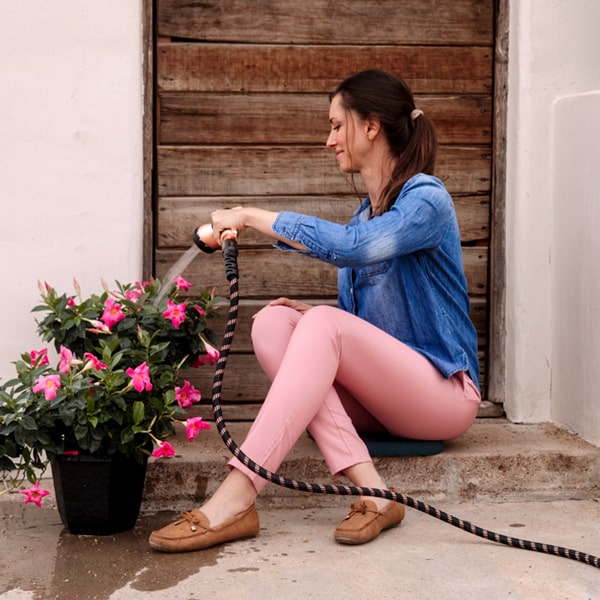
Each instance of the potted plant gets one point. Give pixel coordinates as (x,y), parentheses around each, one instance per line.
(110,400)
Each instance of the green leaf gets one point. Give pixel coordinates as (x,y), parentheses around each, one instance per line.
(95,445)
(81,432)
(138,412)
(126,436)
(28,423)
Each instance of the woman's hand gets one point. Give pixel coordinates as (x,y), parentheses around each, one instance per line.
(301,307)
(226,219)
(242,217)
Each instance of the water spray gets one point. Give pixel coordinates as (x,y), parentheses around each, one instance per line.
(203,237)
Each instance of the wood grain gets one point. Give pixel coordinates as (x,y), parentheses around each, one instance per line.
(274,170)
(286,118)
(270,68)
(459,22)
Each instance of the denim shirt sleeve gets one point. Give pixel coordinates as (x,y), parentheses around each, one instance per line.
(416,221)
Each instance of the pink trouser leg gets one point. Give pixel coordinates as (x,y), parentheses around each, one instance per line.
(336,374)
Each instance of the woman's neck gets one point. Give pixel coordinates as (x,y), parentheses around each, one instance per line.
(376,180)
(377,172)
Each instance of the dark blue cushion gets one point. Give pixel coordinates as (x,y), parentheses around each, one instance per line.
(387,445)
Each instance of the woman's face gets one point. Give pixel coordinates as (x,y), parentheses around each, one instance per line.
(348,137)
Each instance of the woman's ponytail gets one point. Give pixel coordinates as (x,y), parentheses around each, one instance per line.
(410,134)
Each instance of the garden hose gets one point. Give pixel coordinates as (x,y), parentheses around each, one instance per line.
(229,250)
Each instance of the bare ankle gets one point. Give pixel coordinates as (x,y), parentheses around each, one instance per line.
(235,495)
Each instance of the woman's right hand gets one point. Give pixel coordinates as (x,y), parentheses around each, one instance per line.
(301,307)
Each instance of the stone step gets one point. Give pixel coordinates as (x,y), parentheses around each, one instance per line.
(495,461)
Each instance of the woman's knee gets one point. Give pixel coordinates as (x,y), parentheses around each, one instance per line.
(266,317)
(322,313)
(273,326)
(323,320)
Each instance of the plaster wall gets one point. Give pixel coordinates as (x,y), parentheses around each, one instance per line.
(575,264)
(71,178)
(553,52)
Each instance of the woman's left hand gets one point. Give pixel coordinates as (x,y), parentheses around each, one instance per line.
(301,307)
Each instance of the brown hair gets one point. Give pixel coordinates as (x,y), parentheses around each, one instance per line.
(387,97)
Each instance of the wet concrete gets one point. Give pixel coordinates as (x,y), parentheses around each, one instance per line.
(295,556)
(535,482)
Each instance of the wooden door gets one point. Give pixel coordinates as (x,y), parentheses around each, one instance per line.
(242,117)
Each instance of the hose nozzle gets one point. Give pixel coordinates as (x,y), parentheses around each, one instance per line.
(204,239)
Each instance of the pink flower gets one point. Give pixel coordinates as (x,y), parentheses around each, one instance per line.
(164,450)
(200,310)
(134,295)
(98,327)
(47,384)
(211,356)
(66,360)
(71,302)
(76,286)
(35,494)
(112,312)
(45,288)
(97,364)
(187,395)
(193,427)
(182,284)
(140,377)
(142,285)
(39,358)
(175,312)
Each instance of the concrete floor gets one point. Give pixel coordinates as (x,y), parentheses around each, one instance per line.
(295,556)
(532,482)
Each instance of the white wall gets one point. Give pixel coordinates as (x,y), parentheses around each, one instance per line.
(71,178)
(576,265)
(554,50)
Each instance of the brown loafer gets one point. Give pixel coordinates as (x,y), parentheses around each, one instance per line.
(365,522)
(192,531)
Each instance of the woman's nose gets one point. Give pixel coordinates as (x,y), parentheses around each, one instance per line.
(331,140)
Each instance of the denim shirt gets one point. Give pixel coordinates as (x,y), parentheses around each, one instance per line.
(402,271)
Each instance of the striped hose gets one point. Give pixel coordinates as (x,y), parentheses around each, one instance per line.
(230,256)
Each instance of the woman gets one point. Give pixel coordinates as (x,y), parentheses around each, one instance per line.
(399,355)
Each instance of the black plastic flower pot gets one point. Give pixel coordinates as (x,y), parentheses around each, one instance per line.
(98,495)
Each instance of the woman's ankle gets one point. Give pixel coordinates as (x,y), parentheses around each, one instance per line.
(235,495)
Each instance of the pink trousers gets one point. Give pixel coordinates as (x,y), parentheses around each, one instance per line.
(335,374)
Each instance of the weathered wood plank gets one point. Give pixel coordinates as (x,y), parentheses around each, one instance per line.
(271,68)
(245,380)
(262,170)
(232,411)
(321,21)
(177,217)
(497,374)
(196,118)
(149,139)
(269,274)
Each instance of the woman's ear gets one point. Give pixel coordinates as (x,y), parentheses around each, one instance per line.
(373,127)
